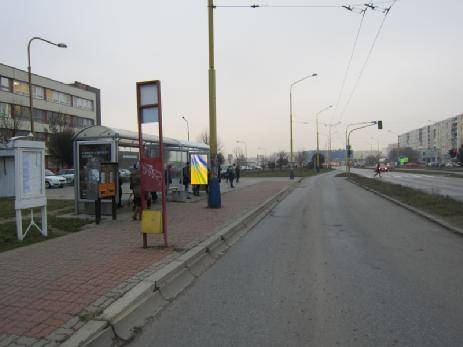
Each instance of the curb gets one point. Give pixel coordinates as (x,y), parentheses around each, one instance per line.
(119,322)
(416,211)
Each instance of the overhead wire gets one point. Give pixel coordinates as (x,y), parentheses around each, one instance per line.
(349,64)
(370,51)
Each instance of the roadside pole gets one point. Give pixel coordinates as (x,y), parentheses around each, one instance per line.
(214,200)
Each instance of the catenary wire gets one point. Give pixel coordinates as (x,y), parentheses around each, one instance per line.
(362,70)
(346,74)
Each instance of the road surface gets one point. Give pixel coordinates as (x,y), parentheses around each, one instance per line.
(450,186)
(332,265)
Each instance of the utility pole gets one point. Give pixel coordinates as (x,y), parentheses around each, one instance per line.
(330,126)
(214,200)
(318,146)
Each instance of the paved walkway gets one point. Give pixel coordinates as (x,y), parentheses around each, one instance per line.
(49,289)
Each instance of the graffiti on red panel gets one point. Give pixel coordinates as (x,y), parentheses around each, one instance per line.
(151,174)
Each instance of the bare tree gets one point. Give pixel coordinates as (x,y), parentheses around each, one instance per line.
(204,138)
(9,126)
(59,122)
(240,158)
(282,159)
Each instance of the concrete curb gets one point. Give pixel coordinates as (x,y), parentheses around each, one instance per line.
(120,321)
(416,211)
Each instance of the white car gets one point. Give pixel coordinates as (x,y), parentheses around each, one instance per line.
(68,174)
(52,180)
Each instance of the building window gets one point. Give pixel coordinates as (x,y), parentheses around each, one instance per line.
(21,88)
(52,95)
(4,84)
(40,116)
(20,112)
(38,92)
(5,110)
(83,103)
(64,99)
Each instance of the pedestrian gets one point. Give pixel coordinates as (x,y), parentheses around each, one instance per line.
(135,185)
(219,173)
(186,179)
(119,183)
(377,170)
(237,173)
(195,188)
(231,175)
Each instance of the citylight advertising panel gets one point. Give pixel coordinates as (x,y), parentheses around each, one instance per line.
(198,169)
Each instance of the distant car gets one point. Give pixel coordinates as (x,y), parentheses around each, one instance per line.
(68,174)
(383,168)
(54,181)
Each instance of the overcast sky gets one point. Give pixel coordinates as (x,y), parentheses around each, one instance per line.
(415,72)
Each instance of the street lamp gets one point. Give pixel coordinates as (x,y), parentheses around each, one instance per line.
(245,149)
(291,112)
(187,127)
(330,126)
(60,45)
(318,147)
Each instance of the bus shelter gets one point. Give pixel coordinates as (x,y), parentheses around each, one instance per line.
(102,144)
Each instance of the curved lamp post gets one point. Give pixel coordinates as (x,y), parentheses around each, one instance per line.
(60,45)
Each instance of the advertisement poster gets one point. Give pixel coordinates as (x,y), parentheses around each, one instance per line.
(91,153)
(198,169)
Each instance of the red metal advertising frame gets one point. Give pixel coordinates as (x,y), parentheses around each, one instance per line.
(156,83)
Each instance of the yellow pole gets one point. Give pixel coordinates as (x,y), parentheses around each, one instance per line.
(291,158)
(212,93)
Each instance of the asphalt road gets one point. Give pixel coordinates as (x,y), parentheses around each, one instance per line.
(332,265)
(451,186)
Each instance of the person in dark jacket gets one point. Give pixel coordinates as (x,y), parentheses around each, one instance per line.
(119,181)
(237,173)
(186,179)
(231,175)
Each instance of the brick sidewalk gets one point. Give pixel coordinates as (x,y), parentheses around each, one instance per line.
(49,289)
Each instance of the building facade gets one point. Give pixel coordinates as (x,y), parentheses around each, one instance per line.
(57,105)
(434,141)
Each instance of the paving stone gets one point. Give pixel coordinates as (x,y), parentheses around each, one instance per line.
(5,340)
(71,323)
(40,343)
(27,341)
(40,294)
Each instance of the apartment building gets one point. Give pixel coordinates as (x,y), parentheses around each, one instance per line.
(434,141)
(56,104)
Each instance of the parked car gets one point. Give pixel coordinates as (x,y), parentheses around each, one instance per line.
(53,181)
(68,174)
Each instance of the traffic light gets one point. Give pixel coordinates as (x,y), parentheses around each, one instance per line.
(380,124)
(349,151)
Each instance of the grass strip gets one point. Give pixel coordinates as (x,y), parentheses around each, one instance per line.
(298,172)
(57,226)
(440,206)
(7,207)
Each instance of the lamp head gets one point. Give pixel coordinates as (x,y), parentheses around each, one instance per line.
(62,45)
